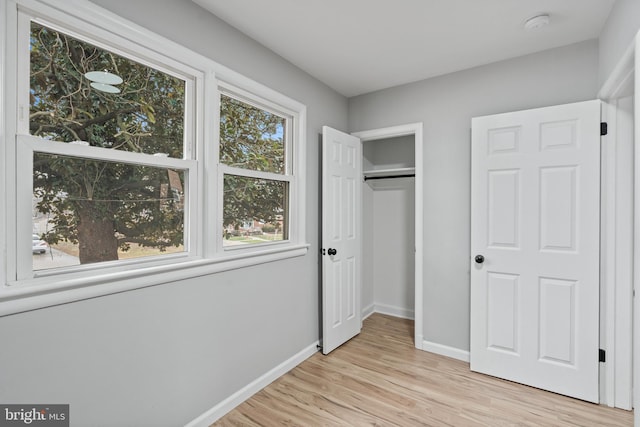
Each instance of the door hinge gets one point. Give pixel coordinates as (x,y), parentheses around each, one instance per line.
(604,128)
(602,356)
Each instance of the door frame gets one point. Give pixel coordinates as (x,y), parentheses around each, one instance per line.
(414,129)
(620,341)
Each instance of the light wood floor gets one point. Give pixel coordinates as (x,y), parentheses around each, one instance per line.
(379,378)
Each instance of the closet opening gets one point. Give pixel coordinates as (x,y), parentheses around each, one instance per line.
(392,224)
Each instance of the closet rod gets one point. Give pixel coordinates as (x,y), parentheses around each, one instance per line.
(410,175)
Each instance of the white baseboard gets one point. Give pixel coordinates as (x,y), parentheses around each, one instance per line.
(391,310)
(224,407)
(368,311)
(445,350)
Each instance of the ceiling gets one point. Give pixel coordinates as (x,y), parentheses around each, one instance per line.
(360,46)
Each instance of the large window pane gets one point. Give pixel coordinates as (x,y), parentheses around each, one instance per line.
(94,211)
(80,92)
(255,210)
(250,137)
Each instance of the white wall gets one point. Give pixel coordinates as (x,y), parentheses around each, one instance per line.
(162,356)
(446,105)
(617,35)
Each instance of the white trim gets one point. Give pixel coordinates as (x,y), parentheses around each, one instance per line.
(636,238)
(390,310)
(416,130)
(608,252)
(228,404)
(209,174)
(34,143)
(368,311)
(617,185)
(623,296)
(8,132)
(74,288)
(250,173)
(445,350)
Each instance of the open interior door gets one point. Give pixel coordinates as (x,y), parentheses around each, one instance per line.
(535,229)
(341,237)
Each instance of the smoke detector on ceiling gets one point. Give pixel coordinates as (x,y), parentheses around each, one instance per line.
(537,22)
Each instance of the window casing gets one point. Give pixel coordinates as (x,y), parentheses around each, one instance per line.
(200,171)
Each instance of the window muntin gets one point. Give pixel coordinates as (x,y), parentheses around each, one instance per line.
(254,151)
(80,92)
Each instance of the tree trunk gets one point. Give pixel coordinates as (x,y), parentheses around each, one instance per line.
(96,235)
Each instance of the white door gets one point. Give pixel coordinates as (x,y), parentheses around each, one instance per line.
(341,237)
(535,219)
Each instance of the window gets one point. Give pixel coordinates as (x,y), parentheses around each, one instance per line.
(254,151)
(132,161)
(103,207)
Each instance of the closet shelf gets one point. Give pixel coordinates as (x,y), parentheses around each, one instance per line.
(374,173)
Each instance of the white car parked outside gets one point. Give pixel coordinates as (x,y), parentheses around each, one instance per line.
(39,246)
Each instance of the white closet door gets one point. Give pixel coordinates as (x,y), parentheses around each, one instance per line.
(341,237)
(535,208)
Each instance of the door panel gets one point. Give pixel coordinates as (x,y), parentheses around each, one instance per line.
(558,200)
(502,305)
(535,219)
(504,208)
(341,232)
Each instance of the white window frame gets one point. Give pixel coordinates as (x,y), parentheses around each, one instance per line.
(288,176)
(20,288)
(27,146)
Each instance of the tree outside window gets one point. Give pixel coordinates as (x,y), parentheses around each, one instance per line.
(104,210)
(253,148)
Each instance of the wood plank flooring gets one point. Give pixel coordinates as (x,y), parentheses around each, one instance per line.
(380,379)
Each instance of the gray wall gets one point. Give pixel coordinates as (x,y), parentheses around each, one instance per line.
(446,105)
(162,356)
(393,232)
(617,35)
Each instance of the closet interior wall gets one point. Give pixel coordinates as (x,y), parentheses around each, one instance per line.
(389,227)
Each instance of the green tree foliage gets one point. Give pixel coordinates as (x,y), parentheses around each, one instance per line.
(252,138)
(101,205)
(105,206)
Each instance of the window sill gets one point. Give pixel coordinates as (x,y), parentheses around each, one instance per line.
(36,294)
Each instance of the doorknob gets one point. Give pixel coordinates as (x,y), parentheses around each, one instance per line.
(332,251)
(479,259)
